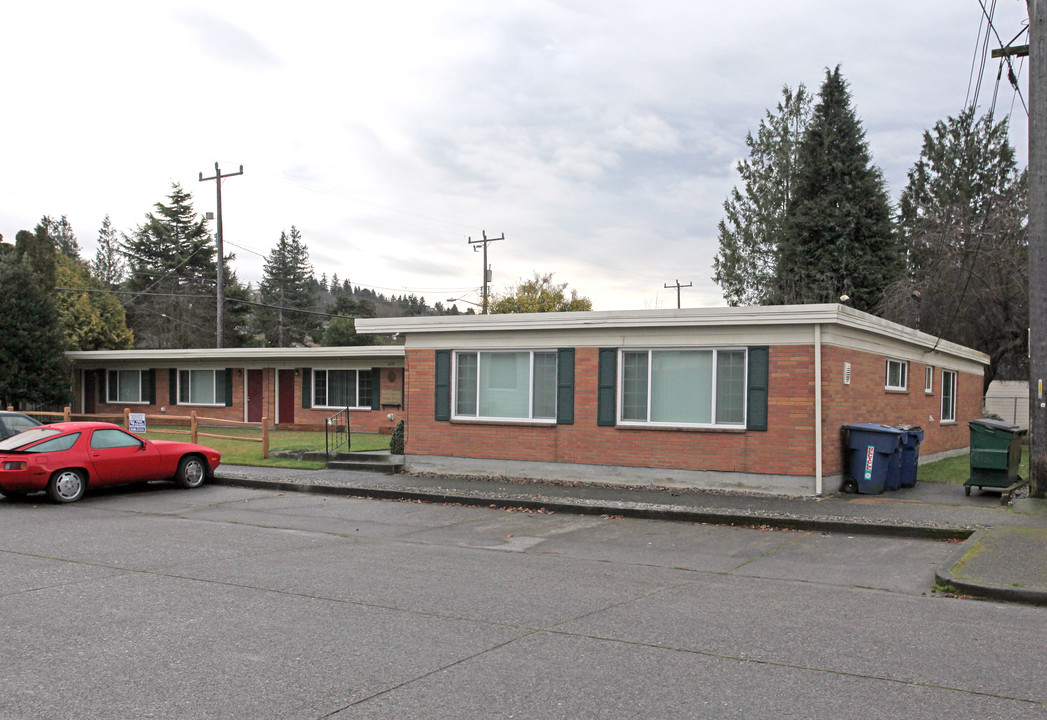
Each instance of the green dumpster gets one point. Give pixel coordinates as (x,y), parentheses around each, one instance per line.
(996,451)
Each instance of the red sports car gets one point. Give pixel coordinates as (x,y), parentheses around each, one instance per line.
(64,458)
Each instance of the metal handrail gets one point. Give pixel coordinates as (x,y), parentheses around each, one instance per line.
(337,426)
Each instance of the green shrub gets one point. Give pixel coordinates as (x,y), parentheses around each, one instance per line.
(396,442)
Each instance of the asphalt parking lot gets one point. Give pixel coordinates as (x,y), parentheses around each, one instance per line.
(228,602)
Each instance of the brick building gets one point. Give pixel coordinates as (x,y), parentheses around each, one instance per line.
(292,387)
(739,398)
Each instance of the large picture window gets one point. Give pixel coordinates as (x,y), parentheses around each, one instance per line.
(505,385)
(948,396)
(342,388)
(127,386)
(201,387)
(683,387)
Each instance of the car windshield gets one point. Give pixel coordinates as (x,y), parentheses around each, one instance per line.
(16,442)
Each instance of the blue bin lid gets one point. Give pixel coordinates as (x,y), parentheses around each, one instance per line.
(874,427)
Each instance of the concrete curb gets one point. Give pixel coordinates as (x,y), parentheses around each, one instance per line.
(643,511)
(982,589)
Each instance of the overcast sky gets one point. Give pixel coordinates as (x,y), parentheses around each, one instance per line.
(600,136)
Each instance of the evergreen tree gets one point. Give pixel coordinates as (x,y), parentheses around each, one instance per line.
(171,265)
(838,238)
(755,215)
(62,233)
(288,285)
(31,353)
(89,320)
(540,294)
(963,226)
(108,266)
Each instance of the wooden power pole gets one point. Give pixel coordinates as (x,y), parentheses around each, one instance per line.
(1038,246)
(677,286)
(218,176)
(487,268)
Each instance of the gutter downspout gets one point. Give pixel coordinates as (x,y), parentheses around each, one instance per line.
(818,410)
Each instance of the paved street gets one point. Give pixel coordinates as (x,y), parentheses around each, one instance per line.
(228,602)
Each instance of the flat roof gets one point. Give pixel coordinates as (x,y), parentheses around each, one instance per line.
(768,315)
(230,354)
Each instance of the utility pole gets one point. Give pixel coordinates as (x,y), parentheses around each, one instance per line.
(677,286)
(1038,246)
(487,268)
(218,176)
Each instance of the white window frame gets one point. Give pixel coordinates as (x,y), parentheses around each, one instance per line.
(326,373)
(949,398)
(928,379)
(455,415)
(215,402)
(904,366)
(715,374)
(110,399)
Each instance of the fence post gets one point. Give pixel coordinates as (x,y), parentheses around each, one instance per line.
(127,419)
(67,414)
(193,427)
(265,437)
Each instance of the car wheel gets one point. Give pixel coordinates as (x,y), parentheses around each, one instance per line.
(191,472)
(66,486)
(850,485)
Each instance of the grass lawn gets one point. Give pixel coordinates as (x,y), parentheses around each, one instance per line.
(956,470)
(237,452)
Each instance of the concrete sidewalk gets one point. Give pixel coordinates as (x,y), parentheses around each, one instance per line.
(1003,556)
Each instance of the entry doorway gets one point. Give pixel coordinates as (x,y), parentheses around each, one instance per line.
(285,379)
(255,396)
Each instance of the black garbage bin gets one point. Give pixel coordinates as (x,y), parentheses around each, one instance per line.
(996,452)
(911,439)
(874,458)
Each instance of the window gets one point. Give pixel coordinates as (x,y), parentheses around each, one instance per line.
(58,444)
(201,387)
(928,379)
(897,375)
(128,386)
(102,439)
(683,387)
(515,385)
(948,396)
(342,388)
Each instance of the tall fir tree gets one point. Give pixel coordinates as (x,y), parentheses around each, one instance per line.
(963,226)
(288,286)
(755,214)
(838,239)
(108,266)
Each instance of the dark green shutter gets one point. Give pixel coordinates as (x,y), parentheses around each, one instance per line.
(307,387)
(759,366)
(565,386)
(228,387)
(152,386)
(442,398)
(607,380)
(172,386)
(376,389)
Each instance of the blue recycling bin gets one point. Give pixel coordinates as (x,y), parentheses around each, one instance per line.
(875,458)
(910,454)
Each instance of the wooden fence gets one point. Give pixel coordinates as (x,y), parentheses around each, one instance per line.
(192,420)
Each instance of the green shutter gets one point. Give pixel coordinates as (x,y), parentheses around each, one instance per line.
(152,386)
(565,386)
(228,387)
(172,386)
(376,389)
(759,364)
(307,387)
(442,398)
(606,387)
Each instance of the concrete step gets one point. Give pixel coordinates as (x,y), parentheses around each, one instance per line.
(370,461)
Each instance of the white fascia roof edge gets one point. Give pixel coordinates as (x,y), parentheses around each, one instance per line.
(824,314)
(233,354)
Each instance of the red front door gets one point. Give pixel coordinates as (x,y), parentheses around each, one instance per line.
(286,380)
(255,396)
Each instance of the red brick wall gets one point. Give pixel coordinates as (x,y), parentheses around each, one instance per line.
(787,448)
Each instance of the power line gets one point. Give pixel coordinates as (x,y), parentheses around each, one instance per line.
(208,297)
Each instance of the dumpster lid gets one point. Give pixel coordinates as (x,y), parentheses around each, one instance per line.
(874,427)
(996,425)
